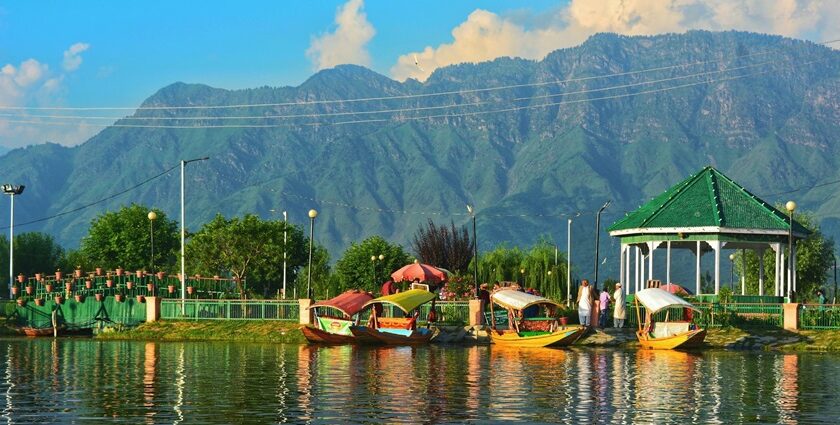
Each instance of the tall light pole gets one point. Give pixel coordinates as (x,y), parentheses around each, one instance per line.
(475,250)
(569,263)
(731,272)
(598,241)
(152,217)
(373,263)
(285,228)
(12,190)
(312,215)
(183,234)
(790,206)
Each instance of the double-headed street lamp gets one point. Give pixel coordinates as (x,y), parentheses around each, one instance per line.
(12,190)
(373,259)
(184,232)
(312,215)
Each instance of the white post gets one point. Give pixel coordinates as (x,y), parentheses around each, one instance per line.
(621,277)
(569,263)
(627,258)
(638,275)
(697,270)
(743,271)
(11,245)
(778,268)
(716,246)
(668,265)
(183,233)
(793,272)
(785,277)
(760,253)
(651,247)
(285,224)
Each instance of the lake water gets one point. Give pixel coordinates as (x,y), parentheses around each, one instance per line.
(83,380)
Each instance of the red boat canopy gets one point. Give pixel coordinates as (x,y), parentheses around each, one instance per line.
(348,303)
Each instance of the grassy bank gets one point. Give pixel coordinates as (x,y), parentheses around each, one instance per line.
(212,330)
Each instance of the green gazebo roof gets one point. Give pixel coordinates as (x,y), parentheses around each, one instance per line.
(710,201)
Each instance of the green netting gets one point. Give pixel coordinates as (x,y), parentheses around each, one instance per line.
(80,315)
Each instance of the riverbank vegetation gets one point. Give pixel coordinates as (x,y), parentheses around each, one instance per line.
(221,330)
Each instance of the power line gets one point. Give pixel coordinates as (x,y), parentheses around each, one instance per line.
(381,98)
(802,188)
(109,197)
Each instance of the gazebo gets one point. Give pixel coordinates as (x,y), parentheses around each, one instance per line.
(707,212)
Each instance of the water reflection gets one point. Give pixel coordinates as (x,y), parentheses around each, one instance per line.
(69,380)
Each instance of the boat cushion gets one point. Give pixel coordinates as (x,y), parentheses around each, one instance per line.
(666,329)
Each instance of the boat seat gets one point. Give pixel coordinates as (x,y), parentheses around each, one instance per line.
(538,325)
(396,322)
(666,329)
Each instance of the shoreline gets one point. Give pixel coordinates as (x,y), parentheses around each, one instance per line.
(264,331)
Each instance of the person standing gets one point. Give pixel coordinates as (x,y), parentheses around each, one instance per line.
(604,301)
(584,301)
(620,310)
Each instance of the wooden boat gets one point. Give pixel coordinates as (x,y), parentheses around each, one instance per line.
(525,331)
(397,330)
(30,331)
(665,335)
(334,317)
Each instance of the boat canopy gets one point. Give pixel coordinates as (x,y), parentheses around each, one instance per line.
(349,303)
(406,301)
(517,300)
(655,299)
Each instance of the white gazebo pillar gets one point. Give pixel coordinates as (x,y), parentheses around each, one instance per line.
(627,269)
(668,264)
(784,271)
(621,277)
(743,271)
(697,270)
(651,247)
(777,279)
(793,272)
(716,246)
(638,276)
(760,253)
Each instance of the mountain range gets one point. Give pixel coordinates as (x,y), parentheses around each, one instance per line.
(527,143)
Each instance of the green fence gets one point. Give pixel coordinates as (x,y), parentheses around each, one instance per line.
(819,316)
(713,315)
(208,309)
(81,315)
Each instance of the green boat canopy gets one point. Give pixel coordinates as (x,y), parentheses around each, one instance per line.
(405,301)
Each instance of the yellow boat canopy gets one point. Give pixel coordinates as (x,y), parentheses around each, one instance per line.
(517,300)
(655,299)
(406,301)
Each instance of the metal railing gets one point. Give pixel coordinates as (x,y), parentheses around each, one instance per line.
(714,315)
(819,316)
(208,309)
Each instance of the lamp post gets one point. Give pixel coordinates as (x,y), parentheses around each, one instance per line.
(790,206)
(569,263)
(183,234)
(312,215)
(373,264)
(285,228)
(475,250)
(598,241)
(732,272)
(550,283)
(522,273)
(12,190)
(152,217)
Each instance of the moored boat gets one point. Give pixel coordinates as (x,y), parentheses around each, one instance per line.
(524,330)
(665,335)
(397,330)
(334,317)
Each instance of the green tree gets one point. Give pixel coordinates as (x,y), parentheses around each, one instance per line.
(246,248)
(323,282)
(507,264)
(813,262)
(448,247)
(122,238)
(356,268)
(35,252)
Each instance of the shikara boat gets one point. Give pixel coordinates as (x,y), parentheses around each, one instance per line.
(525,331)
(334,317)
(30,331)
(665,335)
(397,330)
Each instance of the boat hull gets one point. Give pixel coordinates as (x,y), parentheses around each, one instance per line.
(37,331)
(558,338)
(416,338)
(684,340)
(320,336)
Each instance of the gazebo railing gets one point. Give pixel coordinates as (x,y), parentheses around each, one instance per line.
(715,315)
(819,316)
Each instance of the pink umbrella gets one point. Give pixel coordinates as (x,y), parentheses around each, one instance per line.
(675,289)
(424,272)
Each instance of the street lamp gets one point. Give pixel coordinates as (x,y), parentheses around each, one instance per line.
(569,263)
(373,259)
(183,233)
(285,228)
(524,282)
(152,217)
(12,190)
(598,241)
(312,215)
(475,252)
(731,272)
(790,206)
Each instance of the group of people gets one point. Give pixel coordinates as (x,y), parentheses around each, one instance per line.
(593,305)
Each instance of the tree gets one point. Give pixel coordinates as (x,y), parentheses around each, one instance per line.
(35,252)
(322,281)
(506,264)
(122,239)
(246,247)
(450,248)
(814,258)
(355,269)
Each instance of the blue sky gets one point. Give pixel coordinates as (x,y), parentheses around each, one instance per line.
(117,53)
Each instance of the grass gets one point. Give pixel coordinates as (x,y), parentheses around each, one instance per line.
(212,330)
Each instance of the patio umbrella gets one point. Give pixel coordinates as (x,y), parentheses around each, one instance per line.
(675,289)
(424,272)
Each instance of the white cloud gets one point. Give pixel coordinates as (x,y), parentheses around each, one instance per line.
(72,56)
(347,44)
(486,35)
